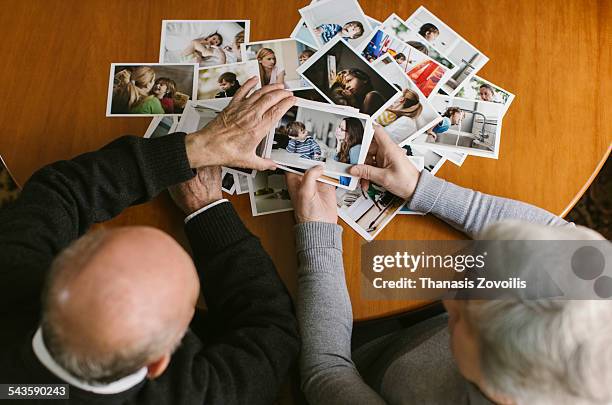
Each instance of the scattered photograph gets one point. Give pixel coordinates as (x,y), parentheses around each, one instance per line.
(468,126)
(225,80)
(464,55)
(242,183)
(310,94)
(303,34)
(432,160)
(425,72)
(161,126)
(9,189)
(199,113)
(228,185)
(368,212)
(409,114)
(480,89)
(328,19)
(278,61)
(312,133)
(456,158)
(149,89)
(345,78)
(268,193)
(205,42)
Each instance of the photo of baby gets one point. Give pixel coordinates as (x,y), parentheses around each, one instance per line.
(478,88)
(205,42)
(150,89)
(472,127)
(345,78)
(225,80)
(312,133)
(268,193)
(426,73)
(464,55)
(330,18)
(411,113)
(278,61)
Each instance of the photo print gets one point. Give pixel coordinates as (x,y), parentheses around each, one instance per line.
(464,55)
(303,34)
(329,19)
(268,193)
(228,184)
(225,80)
(409,114)
(368,212)
(278,61)
(480,89)
(242,183)
(312,133)
(205,42)
(426,73)
(161,126)
(467,126)
(345,78)
(150,89)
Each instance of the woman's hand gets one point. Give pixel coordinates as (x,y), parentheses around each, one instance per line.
(387,166)
(231,139)
(312,200)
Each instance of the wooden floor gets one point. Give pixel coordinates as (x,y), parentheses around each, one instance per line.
(554,55)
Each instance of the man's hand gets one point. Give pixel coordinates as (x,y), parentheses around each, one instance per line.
(312,200)
(231,139)
(387,166)
(203,189)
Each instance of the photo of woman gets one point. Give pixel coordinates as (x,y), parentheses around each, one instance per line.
(349,137)
(151,89)
(269,72)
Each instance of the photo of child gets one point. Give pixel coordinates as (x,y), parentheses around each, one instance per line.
(478,88)
(312,133)
(205,42)
(472,127)
(278,61)
(329,19)
(426,73)
(467,59)
(225,80)
(345,78)
(268,193)
(150,89)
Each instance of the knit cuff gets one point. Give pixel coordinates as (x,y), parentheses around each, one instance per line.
(166,159)
(428,191)
(310,235)
(215,229)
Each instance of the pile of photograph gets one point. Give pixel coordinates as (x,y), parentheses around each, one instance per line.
(415,77)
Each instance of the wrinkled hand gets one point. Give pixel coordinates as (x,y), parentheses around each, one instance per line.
(203,189)
(312,200)
(387,166)
(231,139)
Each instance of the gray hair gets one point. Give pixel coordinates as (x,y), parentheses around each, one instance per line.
(544,351)
(93,368)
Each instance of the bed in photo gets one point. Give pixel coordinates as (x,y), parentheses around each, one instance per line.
(268,193)
(150,89)
(199,113)
(205,42)
(368,212)
(478,88)
(426,73)
(468,59)
(468,126)
(345,78)
(225,80)
(312,133)
(278,61)
(328,19)
(161,126)
(409,114)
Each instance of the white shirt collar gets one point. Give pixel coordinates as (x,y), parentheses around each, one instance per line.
(123,384)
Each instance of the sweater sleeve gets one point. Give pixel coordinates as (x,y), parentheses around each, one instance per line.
(325,320)
(258,341)
(471,211)
(62,200)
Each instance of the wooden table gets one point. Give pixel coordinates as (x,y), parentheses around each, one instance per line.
(554,55)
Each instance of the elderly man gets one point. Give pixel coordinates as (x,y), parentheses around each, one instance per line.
(117,304)
(482,352)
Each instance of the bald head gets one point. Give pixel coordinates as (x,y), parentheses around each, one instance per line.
(117,300)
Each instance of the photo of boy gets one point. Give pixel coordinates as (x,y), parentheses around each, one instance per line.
(229,85)
(480,89)
(452,116)
(302,143)
(350,30)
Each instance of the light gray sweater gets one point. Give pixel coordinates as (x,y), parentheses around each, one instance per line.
(413,366)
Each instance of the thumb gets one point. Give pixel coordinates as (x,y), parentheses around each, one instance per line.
(261,164)
(368,172)
(310,178)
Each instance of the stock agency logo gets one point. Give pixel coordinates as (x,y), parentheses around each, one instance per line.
(589,264)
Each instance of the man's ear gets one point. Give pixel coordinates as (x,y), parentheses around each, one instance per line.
(157,367)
